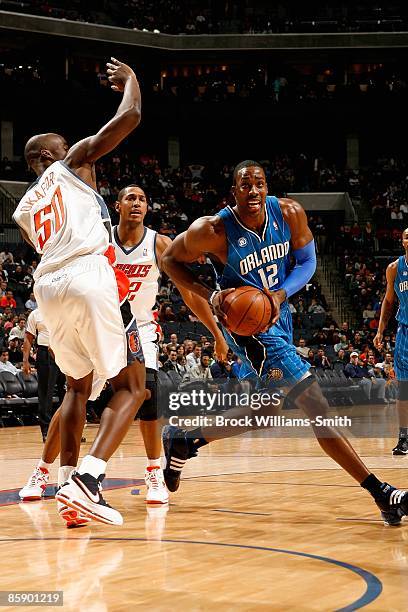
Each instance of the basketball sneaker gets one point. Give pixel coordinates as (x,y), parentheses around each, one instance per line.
(401,448)
(73,518)
(82,492)
(36,485)
(177,449)
(156,487)
(393,504)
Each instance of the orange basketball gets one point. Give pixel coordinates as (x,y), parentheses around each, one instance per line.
(248,310)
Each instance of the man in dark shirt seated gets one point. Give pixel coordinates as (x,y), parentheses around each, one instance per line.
(374,388)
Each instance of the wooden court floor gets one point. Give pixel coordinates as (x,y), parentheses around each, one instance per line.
(258,524)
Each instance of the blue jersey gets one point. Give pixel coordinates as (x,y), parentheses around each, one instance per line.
(261,260)
(401,289)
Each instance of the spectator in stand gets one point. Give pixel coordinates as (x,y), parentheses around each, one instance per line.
(174,339)
(315,307)
(171,363)
(321,360)
(341,357)
(15,352)
(182,315)
(368,313)
(193,358)
(221,370)
(200,371)
(19,330)
(342,344)
(374,388)
(302,349)
(6,256)
(311,357)
(181,365)
(31,303)
(8,300)
(166,314)
(5,364)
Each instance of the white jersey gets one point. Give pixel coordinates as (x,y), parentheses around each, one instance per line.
(139,263)
(35,325)
(63,218)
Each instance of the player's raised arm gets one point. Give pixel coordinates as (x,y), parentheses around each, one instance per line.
(387,305)
(126,119)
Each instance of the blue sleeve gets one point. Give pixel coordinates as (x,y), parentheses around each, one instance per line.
(303,271)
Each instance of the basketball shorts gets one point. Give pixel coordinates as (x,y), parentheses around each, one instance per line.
(81,309)
(271,356)
(401,353)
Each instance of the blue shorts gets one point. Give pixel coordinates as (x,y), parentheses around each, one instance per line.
(401,353)
(270,356)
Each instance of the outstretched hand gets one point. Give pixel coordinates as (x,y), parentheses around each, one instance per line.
(217,306)
(118,74)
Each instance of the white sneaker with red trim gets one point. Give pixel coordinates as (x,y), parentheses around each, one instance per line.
(36,485)
(156,487)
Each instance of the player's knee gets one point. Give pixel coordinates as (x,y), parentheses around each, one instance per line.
(308,396)
(148,410)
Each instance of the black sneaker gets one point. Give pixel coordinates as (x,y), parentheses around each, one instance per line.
(83,492)
(401,448)
(393,504)
(177,449)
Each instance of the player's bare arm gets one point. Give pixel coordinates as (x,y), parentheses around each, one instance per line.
(84,153)
(28,342)
(387,306)
(197,304)
(205,235)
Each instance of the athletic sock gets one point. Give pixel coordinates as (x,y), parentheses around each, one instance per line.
(64,472)
(93,466)
(403,433)
(43,465)
(195,438)
(374,486)
(154,462)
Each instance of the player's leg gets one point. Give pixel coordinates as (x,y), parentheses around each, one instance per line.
(401,371)
(401,447)
(151,432)
(43,372)
(393,503)
(83,490)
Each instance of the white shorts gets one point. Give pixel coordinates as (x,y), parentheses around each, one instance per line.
(148,340)
(80,305)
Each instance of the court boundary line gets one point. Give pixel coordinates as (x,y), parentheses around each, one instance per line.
(374,586)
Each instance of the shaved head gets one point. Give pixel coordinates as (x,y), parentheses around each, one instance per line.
(44,149)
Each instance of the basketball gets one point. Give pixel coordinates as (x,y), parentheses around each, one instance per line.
(248,310)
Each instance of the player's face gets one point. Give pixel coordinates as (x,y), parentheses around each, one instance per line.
(133,205)
(405,239)
(250,190)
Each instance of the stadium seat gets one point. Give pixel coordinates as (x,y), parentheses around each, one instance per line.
(30,388)
(12,386)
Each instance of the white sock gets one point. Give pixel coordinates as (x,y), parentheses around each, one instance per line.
(64,472)
(43,465)
(93,466)
(154,462)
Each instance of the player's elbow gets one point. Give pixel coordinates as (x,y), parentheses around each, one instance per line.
(166,263)
(131,118)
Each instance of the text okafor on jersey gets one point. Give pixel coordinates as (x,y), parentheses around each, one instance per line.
(139,263)
(63,217)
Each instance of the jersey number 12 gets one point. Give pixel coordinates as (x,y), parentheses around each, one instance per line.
(269,281)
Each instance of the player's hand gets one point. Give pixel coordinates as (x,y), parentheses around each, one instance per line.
(118,74)
(220,348)
(26,368)
(216,306)
(378,340)
(276,298)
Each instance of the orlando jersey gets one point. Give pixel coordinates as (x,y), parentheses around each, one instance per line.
(401,290)
(63,217)
(139,263)
(261,260)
